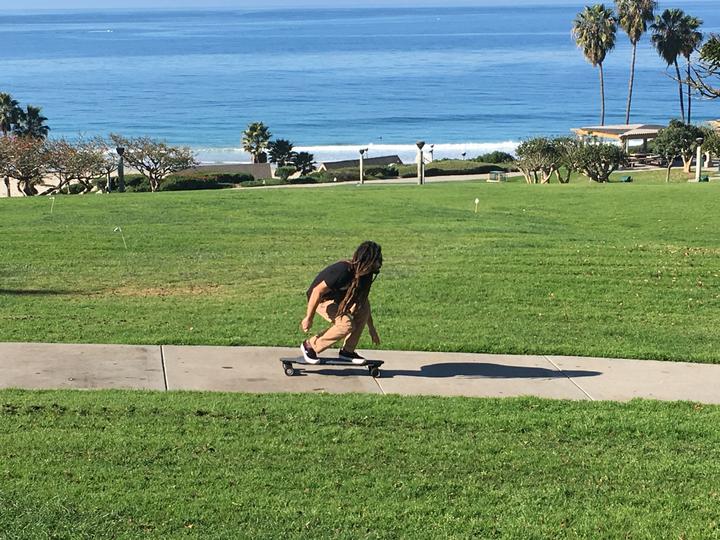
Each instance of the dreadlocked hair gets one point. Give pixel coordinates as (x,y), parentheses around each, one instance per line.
(366,260)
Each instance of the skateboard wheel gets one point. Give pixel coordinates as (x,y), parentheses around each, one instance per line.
(374,372)
(289,370)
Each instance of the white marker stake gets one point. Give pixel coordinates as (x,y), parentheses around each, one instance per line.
(477,201)
(52,205)
(119,229)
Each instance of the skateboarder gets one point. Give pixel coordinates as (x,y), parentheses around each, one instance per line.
(339,293)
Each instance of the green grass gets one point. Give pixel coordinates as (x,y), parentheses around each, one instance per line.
(619,270)
(157,465)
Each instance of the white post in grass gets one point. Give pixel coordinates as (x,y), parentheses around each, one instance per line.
(477,201)
(52,205)
(698,158)
(421,162)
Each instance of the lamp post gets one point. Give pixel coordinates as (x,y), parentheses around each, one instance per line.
(362,157)
(463,155)
(121,169)
(431,152)
(421,162)
(698,158)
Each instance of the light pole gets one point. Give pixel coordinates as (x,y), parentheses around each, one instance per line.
(463,155)
(362,157)
(121,169)
(431,152)
(698,158)
(421,163)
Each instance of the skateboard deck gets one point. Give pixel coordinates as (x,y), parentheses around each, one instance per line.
(372,365)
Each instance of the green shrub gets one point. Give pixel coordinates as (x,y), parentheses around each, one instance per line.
(136,183)
(219,176)
(450,167)
(184,183)
(495,157)
(283,173)
(303,180)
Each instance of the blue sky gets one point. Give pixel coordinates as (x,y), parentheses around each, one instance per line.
(132,4)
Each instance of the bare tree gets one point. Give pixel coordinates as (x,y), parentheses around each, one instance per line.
(154,159)
(23,160)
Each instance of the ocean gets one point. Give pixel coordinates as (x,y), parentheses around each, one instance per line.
(332,81)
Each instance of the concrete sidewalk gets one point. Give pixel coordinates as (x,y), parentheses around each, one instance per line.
(258,369)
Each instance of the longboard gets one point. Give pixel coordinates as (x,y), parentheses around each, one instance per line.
(372,365)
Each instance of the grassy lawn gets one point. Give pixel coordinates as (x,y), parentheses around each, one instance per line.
(619,270)
(156,465)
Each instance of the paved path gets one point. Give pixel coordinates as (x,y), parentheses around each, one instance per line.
(258,369)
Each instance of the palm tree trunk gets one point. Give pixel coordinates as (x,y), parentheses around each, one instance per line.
(688,91)
(680,90)
(630,88)
(602,97)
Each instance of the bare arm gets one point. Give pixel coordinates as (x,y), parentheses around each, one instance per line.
(320,289)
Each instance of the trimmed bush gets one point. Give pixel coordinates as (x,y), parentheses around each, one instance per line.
(495,157)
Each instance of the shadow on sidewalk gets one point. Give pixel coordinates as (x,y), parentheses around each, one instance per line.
(469,370)
(483,370)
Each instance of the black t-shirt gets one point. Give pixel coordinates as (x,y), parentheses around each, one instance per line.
(338,277)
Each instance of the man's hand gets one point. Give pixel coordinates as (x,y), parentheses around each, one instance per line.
(306,323)
(374,336)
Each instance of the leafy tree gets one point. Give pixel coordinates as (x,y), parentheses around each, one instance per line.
(711,144)
(31,123)
(669,38)
(23,160)
(594,31)
(633,17)
(255,141)
(304,162)
(537,159)
(281,152)
(598,161)
(567,152)
(154,159)
(9,110)
(677,140)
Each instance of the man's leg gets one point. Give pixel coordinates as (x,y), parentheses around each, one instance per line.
(360,318)
(342,326)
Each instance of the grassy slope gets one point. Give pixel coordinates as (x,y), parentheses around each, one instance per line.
(614,270)
(128,465)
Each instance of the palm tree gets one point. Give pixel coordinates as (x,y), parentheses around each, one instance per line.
(281,152)
(31,123)
(255,141)
(690,42)
(668,39)
(594,31)
(9,109)
(633,16)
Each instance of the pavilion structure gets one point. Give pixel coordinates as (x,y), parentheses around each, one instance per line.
(623,133)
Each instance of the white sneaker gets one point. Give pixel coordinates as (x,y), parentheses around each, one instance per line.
(309,353)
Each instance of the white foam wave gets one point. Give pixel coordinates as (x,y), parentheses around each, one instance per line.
(406,152)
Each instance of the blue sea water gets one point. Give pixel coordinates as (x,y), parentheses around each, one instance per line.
(465,79)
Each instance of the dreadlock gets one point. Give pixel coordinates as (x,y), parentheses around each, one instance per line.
(366,260)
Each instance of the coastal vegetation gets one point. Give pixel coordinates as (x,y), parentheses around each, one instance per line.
(594,32)
(674,34)
(588,269)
